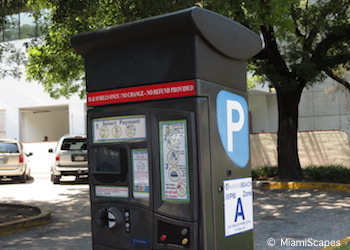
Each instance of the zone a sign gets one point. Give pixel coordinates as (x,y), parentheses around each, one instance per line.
(238,205)
(232,120)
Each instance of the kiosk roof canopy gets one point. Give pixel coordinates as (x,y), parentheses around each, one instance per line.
(225,35)
(194,43)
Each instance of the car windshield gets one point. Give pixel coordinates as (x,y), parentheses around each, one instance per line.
(6,147)
(74,144)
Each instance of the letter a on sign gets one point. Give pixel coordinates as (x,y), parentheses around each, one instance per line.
(232,120)
(239,210)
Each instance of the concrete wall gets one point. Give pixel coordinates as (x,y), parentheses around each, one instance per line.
(325,106)
(77,117)
(315,148)
(263,110)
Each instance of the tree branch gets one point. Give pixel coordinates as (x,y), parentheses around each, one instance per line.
(342,81)
(295,21)
(332,38)
(271,52)
(276,65)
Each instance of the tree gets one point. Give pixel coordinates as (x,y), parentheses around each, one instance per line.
(11,58)
(304,43)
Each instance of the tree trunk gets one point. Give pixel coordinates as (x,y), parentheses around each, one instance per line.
(288,160)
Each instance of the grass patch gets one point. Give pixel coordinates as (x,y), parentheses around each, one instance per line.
(344,247)
(331,173)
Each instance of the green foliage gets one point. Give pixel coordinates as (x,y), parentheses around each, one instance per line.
(10,7)
(331,173)
(136,9)
(61,70)
(53,62)
(264,172)
(256,13)
(303,40)
(253,80)
(11,58)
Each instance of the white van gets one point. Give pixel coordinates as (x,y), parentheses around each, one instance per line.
(70,158)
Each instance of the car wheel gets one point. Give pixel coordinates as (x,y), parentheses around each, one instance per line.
(28,175)
(23,178)
(56,179)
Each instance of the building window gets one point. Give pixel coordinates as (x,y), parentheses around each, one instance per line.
(20,26)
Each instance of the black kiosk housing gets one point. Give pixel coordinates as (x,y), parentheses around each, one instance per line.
(168,137)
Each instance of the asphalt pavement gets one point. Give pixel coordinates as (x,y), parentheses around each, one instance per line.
(300,219)
(69,207)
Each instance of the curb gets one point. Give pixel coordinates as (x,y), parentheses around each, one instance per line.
(342,242)
(307,185)
(23,224)
(302,185)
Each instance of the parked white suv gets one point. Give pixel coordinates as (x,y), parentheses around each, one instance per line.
(13,161)
(70,158)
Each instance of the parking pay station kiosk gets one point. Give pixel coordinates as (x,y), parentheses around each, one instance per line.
(168,132)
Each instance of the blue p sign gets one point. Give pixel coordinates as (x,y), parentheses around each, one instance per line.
(232,119)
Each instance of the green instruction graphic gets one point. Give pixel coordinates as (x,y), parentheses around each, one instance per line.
(174,160)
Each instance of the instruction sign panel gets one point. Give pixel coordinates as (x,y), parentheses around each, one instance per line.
(112,191)
(174,161)
(119,128)
(142,93)
(140,173)
(238,205)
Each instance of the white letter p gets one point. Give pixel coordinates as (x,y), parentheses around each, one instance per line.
(233,126)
